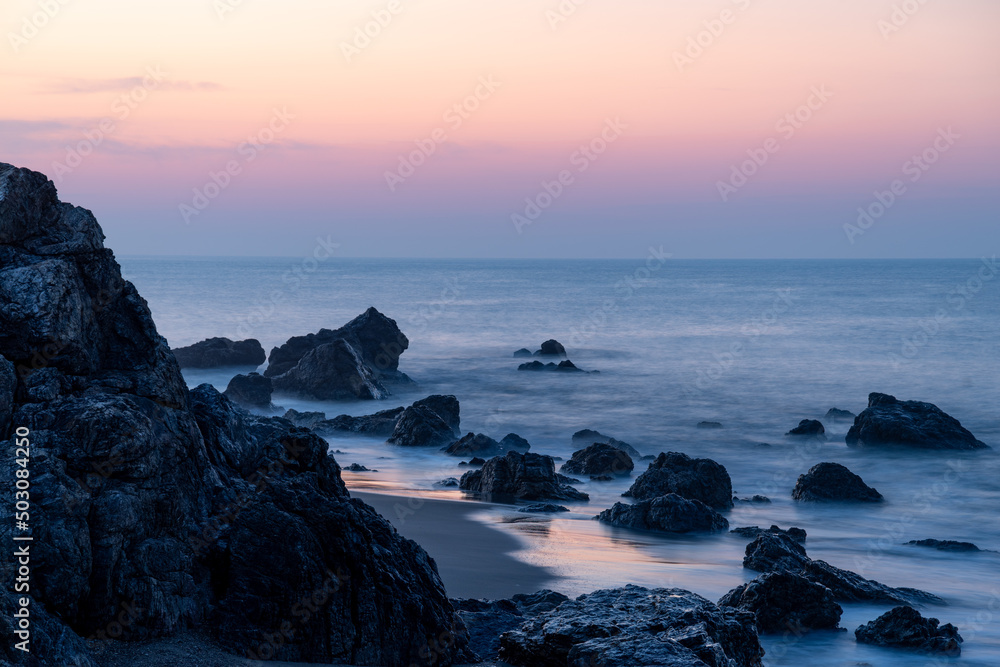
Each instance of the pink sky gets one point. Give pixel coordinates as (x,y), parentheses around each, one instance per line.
(333,115)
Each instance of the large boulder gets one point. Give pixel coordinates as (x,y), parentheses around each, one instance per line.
(775,552)
(331,372)
(219,352)
(904,627)
(833,482)
(666,514)
(375,338)
(890,422)
(697,479)
(586,437)
(517,476)
(181,506)
(430,422)
(599,459)
(251,391)
(634,626)
(786,602)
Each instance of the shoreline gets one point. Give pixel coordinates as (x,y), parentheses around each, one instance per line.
(463,547)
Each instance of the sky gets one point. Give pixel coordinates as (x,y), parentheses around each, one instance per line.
(514,128)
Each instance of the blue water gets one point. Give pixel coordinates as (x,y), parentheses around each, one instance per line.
(756,345)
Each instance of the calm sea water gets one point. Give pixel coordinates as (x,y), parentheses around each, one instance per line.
(755,345)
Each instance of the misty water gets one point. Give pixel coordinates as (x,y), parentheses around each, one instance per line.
(755,345)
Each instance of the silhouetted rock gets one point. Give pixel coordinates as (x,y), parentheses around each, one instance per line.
(563,366)
(599,459)
(430,422)
(838,415)
(512,441)
(771,552)
(785,602)
(543,508)
(250,391)
(218,352)
(517,476)
(904,627)
(808,428)
(634,626)
(797,534)
(357,467)
(305,419)
(196,506)
(476,461)
(698,479)
(331,372)
(447,483)
(523,352)
(945,545)
(551,348)
(587,437)
(481,445)
(380,424)
(709,425)
(833,482)
(374,337)
(666,514)
(890,422)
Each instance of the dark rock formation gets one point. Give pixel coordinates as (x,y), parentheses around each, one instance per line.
(477,461)
(450,482)
(305,419)
(512,441)
(543,508)
(697,479)
(599,459)
(251,391)
(587,437)
(563,367)
(771,552)
(602,478)
(890,422)
(635,626)
(756,500)
(551,348)
(357,467)
(808,428)
(785,602)
(430,422)
(517,476)
(181,506)
(833,482)
(904,627)
(709,425)
(488,619)
(380,424)
(374,337)
(331,372)
(666,514)
(838,415)
(753,532)
(945,545)
(523,352)
(218,352)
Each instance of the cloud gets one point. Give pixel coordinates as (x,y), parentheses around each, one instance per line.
(80,86)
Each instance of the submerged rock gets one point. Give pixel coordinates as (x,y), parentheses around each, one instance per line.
(430,422)
(599,459)
(250,391)
(517,476)
(481,445)
(833,482)
(890,422)
(357,467)
(179,504)
(786,602)
(808,428)
(635,626)
(698,479)
(543,508)
(838,415)
(450,482)
(380,424)
(771,552)
(666,514)
(523,352)
(219,352)
(797,534)
(756,500)
(586,437)
(709,425)
(945,545)
(562,366)
(904,627)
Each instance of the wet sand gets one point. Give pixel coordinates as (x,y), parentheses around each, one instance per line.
(473,559)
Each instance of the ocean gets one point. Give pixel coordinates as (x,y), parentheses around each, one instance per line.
(755,345)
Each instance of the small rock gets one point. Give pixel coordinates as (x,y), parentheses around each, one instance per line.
(833,482)
(523,352)
(357,467)
(945,545)
(599,459)
(477,461)
(586,437)
(551,348)
(543,508)
(904,627)
(709,425)
(808,428)
(668,514)
(837,415)
(753,532)
(517,476)
(450,482)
